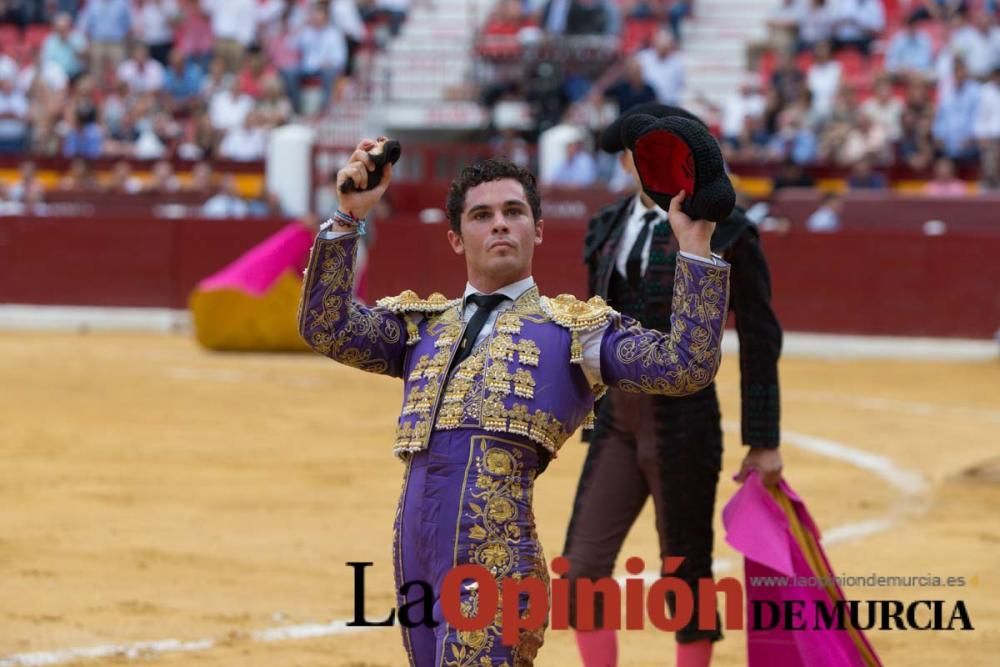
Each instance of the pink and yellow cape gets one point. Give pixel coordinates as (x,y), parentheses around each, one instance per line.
(252,303)
(778,539)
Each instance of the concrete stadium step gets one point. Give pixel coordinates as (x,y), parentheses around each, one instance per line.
(735,32)
(430,45)
(711,7)
(444,22)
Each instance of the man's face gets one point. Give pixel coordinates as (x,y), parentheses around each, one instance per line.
(499,233)
(628,163)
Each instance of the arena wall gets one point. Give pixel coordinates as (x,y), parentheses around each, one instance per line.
(894,282)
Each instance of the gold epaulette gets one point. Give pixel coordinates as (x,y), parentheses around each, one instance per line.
(409,302)
(568,311)
(577,316)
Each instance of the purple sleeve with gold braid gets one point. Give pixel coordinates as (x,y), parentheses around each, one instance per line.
(685,359)
(331,323)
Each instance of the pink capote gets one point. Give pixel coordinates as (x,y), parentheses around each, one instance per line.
(251,304)
(256,272)
(777,537)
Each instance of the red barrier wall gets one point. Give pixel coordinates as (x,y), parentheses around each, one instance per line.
(867,283)
(117,261)
(875,283)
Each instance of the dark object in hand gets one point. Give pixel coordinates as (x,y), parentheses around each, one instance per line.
(673,154)
(388,152)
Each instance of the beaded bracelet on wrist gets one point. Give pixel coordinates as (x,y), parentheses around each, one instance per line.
(348,220)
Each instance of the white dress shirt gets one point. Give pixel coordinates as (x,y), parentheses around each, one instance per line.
(632,228)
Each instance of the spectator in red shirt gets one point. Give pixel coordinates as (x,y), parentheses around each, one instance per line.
(507,20)
(193,36)
(255,70)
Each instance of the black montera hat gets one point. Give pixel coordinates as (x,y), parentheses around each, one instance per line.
(675,153)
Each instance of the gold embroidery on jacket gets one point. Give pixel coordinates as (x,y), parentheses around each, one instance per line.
(336,279)
(696,309)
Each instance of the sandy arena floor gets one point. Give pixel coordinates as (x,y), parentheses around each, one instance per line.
(154,491)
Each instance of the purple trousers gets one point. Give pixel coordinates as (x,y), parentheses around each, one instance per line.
(467,500)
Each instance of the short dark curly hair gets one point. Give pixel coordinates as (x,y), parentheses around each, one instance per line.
(485,171)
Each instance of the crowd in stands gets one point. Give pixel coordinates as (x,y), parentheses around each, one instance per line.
(561,81)
(930,96)
(851,88)
(194,79)
(204,191)
(864,85)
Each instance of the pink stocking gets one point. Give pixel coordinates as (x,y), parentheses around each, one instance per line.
(695,654)
(598,648)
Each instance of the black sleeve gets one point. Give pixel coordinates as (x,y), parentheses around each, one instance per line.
(760,341)
(591,254)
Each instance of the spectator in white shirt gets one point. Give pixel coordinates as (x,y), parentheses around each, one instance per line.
(63,46)
(663,68)
(986,130)
(13,118)
(234,24)
(885,110)
(8,66)
(858,23)
(823,80)
(141,73)
(826,219)
(346,17)
(152,24)
(910,52)
(247,142)
(229,107)
(106,24)
(41,73)
(323,52)
(227,203)
(579,170)
(972,43)
(815,24)
(745,103)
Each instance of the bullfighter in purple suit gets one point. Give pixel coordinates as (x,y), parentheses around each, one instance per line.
(495,381)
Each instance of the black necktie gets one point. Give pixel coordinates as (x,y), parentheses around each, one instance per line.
(633,265)
(486,304)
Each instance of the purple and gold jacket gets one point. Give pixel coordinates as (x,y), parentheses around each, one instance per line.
(525,379)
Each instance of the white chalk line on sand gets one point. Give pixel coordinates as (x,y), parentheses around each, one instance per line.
(138,650)
(909,483)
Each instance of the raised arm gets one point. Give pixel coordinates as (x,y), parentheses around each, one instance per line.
(331,323)
(372,339)
(685,359)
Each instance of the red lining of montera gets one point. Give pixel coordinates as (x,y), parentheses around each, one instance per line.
(665,162)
